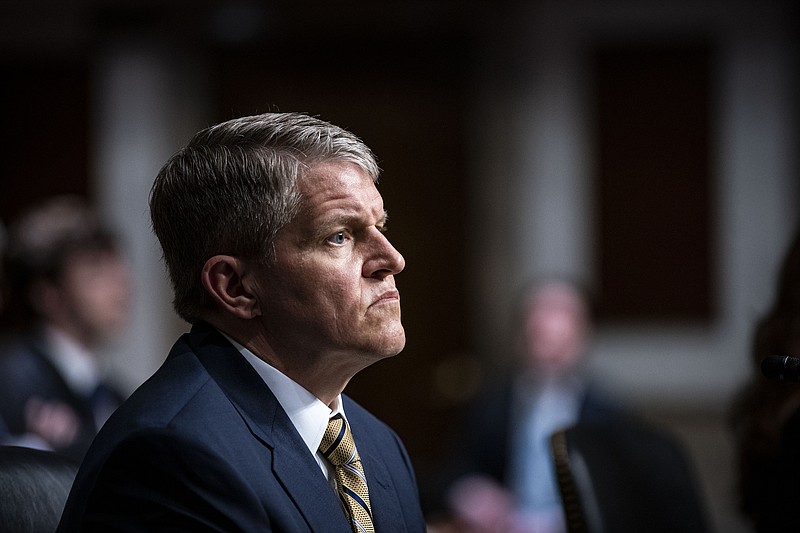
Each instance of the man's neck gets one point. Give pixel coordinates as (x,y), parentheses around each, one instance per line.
(312,372)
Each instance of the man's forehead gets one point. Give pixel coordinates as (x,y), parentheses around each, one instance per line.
(327,172)
(340,187)
(344,212)
(331,200)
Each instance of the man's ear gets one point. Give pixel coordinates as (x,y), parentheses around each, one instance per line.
(228,281)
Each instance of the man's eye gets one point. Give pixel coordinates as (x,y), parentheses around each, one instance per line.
(338,238)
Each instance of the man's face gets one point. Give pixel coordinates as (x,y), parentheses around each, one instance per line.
(95,292)
(332,289)
(556,328)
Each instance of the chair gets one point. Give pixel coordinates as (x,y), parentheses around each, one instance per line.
(626,477)
(34,485)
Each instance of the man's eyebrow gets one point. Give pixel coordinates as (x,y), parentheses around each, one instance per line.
(322,230)
(381,223)
(328,224)
(343,220)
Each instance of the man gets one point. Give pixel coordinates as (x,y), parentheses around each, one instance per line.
(272,232)
(502,470)
(69,292)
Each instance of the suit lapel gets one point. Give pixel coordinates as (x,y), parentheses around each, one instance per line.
(386,508)
(304,482)
(293,465)
(386,511)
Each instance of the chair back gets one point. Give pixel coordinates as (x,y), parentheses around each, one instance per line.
(34,485)
(626,477)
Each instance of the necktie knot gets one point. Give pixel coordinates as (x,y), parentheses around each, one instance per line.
(337,444)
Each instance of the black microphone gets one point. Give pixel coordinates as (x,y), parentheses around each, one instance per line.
(781,368)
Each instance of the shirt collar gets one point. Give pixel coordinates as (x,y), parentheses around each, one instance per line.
(308,414)
(76,364)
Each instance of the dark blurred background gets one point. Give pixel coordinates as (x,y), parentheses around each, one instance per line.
(647,147)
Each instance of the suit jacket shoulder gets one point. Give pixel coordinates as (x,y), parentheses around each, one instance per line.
(204,445)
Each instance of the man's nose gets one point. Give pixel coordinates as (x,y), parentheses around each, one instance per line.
(384,259)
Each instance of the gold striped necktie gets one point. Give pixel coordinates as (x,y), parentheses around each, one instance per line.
(339,449)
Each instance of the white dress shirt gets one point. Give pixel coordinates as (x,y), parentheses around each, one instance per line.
(308,414)
(75,363)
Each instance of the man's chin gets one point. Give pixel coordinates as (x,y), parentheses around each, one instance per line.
(392,344)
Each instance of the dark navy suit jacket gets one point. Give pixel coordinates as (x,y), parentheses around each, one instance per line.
(483,444)
(490,427)
(26,372)
(204,445)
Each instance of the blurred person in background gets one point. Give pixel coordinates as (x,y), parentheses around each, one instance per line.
(67,293)
(765,415)
(503,476)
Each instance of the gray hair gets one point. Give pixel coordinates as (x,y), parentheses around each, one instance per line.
(234,187)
